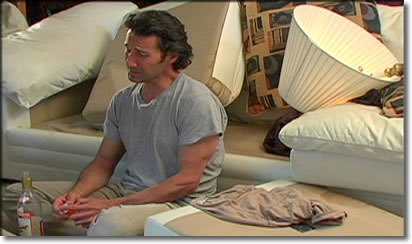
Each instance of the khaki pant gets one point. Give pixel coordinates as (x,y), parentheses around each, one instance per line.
(123,220)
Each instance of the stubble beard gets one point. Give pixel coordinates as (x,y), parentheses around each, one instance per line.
(145,76)
(135,79)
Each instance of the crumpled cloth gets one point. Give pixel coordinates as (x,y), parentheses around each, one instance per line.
(279,207)
(272,143)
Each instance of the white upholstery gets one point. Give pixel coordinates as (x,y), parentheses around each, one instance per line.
(155,225)
(353,147)
(12,20)
(51,155)
(241,169)
(351,172)
(109,14)
(349,146)
(59,52)
(229,67)
(392,29)
(349,129)
(61,156)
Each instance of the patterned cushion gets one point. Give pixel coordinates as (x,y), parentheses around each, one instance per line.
(265,32)
(392,100)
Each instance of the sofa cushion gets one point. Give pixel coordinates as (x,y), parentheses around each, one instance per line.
(112,77)
(348,129)
(60,51)
(215,37)
(266,28)
(110,15)
(392,28)
(12,19)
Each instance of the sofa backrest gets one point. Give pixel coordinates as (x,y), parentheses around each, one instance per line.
(213,30)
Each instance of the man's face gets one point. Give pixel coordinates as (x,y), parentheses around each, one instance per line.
(144,59)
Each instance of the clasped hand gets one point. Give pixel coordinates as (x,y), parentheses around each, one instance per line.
(81,210)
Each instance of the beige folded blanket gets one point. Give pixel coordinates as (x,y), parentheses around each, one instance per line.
(281,206)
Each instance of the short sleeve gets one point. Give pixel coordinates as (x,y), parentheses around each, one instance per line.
(111,122)
(200,117)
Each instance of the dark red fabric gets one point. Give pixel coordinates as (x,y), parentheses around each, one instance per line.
(272,143)
(391,3)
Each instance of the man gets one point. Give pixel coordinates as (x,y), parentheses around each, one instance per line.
(168,126)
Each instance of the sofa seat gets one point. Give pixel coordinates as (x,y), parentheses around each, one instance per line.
(234,137)
(362,220)
(57,149)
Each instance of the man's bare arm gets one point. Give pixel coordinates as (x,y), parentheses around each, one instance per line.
(193,160)
(99,171)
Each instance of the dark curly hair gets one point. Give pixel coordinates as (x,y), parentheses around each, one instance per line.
(170,31)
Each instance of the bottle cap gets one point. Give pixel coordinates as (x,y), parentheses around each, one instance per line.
(26,180)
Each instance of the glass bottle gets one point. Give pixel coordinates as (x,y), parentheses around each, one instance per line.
(29,210)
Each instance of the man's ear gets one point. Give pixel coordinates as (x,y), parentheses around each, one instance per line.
(173,59)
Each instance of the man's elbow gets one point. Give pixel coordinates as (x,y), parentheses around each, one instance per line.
(191,185)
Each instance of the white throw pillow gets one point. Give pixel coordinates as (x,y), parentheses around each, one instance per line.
(349,129)
(392,28)
(12,19)
(110,15)
(60,51)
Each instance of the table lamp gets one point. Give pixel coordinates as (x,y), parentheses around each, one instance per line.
(330,60)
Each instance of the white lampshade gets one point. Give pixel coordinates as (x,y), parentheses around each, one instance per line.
(330,60)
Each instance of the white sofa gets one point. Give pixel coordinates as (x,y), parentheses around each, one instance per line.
(350,149)
(45,131)
(353,148)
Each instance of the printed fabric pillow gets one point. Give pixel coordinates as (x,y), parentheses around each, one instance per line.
(265,33)
(389,99)
(392,100)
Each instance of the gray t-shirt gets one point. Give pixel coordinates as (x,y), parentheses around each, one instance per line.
(153,132)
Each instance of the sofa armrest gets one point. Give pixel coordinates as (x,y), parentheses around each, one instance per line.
(60,51)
